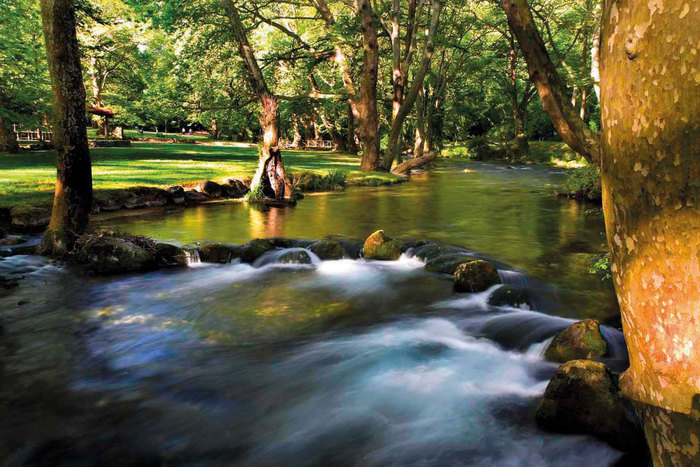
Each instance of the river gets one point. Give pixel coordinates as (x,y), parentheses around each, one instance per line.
(335,363)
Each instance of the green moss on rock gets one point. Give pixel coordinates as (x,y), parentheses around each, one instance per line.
(328,249)
(475,276)
(255,248)
(447,264)
(380,246)
(581,340)
(584,398)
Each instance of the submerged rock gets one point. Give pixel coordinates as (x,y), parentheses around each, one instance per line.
(432,251)
(31,219)
(168,255)
(581,340)
(382,247)
(475,276)
(6,283)
(221,253)
(255,248)
(328,249)
(280,242)
(583,398)
(295,257)
(115,255)
(447,264)
(512,296)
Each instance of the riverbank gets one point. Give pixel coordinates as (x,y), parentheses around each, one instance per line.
(27,179)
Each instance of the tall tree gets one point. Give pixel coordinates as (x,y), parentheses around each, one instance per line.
(270,175)
(73,196)
(555,100)
(404,104)
(649,78)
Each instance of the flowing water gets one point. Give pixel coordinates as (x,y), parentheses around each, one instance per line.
(331,363)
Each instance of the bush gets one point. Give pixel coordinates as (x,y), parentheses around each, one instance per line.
(583,184)
(310,181)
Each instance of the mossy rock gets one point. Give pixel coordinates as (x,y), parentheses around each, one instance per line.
(581,340)
(447,264)
(381,247)
(475,276)
(583,398)
(255,248)
(169,255)
(295,257)
(220,253)
(281,242)
(328,249)
(115,255)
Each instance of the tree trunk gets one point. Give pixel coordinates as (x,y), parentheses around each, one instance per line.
(351,144)
(270,177)
(73,197)
(650,171)
(543,73)
(8,139)
(405,167)
(394,146)
(366,105)
(419,138)
(296,142)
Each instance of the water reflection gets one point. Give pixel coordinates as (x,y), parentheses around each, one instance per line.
(509,214)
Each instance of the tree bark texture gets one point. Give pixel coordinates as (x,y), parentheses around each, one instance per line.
(73,196)
(367,114)
(650,94)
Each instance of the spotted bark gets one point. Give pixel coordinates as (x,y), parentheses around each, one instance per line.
(73,196)
(650,94)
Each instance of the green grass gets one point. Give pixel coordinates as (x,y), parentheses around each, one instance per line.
(93,133)
(27,179)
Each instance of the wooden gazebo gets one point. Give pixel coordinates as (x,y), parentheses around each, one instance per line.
(106,114)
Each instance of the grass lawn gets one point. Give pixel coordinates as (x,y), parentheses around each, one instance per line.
(27,179)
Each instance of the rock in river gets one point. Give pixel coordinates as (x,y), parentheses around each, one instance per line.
(581,340)
(114,255)
(328,249)
(382,247)
(584,398)
(475,276)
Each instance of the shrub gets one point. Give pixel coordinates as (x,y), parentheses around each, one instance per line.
(583,184)
(334,179)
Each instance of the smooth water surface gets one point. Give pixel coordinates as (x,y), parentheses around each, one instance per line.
(334,363)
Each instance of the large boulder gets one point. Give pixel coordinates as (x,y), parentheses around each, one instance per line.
(255,248)
(475,276)
(432,251)
(212,189)
(168,255)
(511,296)
(115,255)
(176,194)
(234,189)
(328,249)
(583,398)
(581,340)
(195,197)
(382,247)
(221,253)
(447,264)
(295,257)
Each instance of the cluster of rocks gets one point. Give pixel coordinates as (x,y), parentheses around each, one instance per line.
(469,273)
(583,397)
(144,197)
(34,219)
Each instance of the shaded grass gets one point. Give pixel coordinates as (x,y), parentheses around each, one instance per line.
(27,179)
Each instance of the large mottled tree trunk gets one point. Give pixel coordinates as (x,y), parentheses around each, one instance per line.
(650,94)
(394,147)
(73,197)
(543,73)
(366,114)
(270,176)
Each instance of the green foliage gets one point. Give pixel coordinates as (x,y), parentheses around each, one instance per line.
(583,184)
(601,266)
(334,179)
